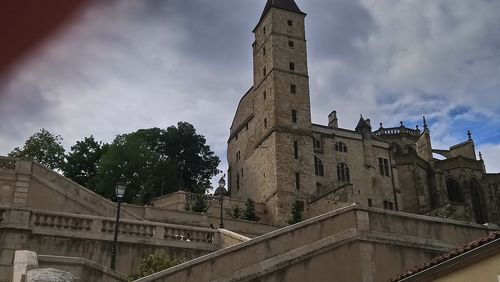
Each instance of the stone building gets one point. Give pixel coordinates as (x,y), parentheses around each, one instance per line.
(278,157)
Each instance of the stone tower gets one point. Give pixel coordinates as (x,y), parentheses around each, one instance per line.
(271,135)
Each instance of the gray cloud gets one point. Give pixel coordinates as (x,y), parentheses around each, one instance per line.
(125,65)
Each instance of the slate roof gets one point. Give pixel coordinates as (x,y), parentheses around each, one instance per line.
(287,5)
(448,256)
(362,124)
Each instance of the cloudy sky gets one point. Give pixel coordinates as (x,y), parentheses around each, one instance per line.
(123,65)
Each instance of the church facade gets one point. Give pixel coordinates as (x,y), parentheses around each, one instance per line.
(278,157)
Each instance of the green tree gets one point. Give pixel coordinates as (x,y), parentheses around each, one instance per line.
(155,162)
(154,263)
(200,204)
(81,163)
(44,148)
(249,212)
(297,209)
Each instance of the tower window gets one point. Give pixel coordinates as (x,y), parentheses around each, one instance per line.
(264,51)
(290,22)
(294,115)
(343,173)
(340,147)
(264,94)
(296,149)
(316,143)
(370,204)
(318,167)
(383,165)
(238,156)
(238,181)
(293,88)
(291,66)
(264,30)
(265,123)
(264,71)
(290,44)
(297,181)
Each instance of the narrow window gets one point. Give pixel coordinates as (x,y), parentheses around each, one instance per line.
(290,22)
(264,30)
(238,156)
(343,173)
(264,51)
(318,167)
(291,66)
(370,204)
(293,88)
(290,44)
(383,165)
(316,143)
(264,71)
(294,115)
(264,95)
(265,123)
(246,127)
(391,206)
(236,136)
(238,181)
(341,147)
(296,149)
(297,181)
(386,205)
(242,173)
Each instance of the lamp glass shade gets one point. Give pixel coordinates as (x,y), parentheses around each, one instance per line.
(222,183)
(120,190)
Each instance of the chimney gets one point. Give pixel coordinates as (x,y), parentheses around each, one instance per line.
(332,120)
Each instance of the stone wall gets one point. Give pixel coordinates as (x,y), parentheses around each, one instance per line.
(90,237)
(352,243)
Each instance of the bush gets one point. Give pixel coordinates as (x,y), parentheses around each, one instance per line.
(154,263)
(297,209)
(236,212)
(249,213)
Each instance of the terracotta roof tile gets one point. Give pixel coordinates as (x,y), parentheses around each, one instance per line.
(444,257)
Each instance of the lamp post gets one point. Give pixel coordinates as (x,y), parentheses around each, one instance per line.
(222,183)
(119,190)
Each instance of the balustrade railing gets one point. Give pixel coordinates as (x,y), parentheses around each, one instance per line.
(7,163)
(54,221)
(397,131)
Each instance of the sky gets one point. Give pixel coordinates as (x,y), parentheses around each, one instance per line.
(122,65)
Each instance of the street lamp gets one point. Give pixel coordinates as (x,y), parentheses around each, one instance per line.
(222,183)
(119,190)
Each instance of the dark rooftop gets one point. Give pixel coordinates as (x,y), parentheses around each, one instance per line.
(287,5)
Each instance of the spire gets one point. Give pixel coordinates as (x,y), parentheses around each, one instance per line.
(469,135)
(287,5)
(362,124)
(425,124)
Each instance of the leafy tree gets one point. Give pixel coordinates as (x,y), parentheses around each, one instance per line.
(154,263)
(200,204)
(297,209)
(249,212)
(236,212)
(155,162)
(44,148)
(81,163)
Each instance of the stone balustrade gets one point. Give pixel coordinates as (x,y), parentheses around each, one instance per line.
(7,163)
(397,131)
(86,226)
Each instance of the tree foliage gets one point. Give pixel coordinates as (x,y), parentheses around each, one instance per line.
(44,148)
(81,163)
(154,263)
(297,209)
(249,212)
(154,162)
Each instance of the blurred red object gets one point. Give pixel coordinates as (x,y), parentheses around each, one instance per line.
(24,24)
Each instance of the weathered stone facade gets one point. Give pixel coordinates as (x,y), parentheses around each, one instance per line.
(277,156)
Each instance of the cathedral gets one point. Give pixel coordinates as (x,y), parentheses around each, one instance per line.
(278,157)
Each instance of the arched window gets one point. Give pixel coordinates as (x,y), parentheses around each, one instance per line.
(454,191)
(318,167)
(480,213)
(343,173)
(340,147)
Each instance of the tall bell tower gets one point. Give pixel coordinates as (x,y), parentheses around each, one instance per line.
(270,150)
